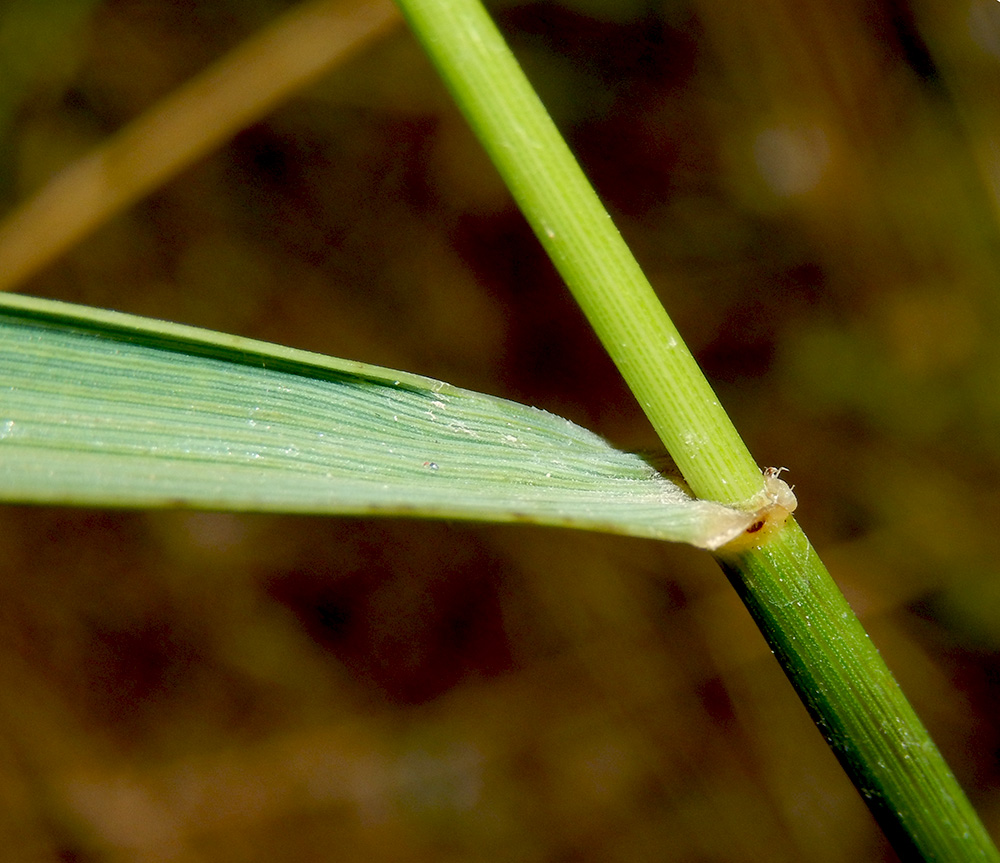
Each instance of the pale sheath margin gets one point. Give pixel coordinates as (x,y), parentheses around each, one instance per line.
(99,408)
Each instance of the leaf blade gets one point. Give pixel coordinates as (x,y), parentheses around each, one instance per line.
(103,409)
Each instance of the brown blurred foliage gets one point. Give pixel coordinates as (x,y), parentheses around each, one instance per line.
(813,190)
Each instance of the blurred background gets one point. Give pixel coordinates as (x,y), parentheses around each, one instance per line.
(813,191)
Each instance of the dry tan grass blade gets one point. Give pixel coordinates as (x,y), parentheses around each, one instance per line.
(244,85)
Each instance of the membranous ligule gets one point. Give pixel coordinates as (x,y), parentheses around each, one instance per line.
(770,508)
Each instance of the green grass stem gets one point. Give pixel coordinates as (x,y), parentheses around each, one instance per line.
(820,643)
(576,231)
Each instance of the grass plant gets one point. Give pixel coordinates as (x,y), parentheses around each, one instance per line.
(821,645)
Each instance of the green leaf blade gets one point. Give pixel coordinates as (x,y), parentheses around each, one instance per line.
(103,409)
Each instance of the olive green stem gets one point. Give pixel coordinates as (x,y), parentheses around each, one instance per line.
(576,231)
(820,643)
